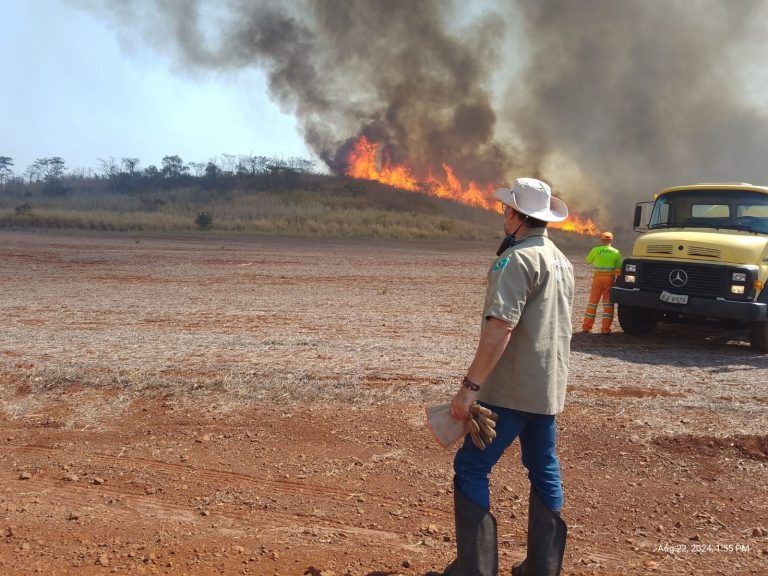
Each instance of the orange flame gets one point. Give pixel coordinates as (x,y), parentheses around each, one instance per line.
(362,163)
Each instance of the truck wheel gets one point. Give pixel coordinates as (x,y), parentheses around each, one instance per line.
(637,321)
(758,336)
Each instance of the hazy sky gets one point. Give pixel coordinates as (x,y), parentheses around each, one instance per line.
(70,89)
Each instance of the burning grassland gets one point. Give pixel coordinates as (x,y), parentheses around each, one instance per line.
(364,161)
(310,205)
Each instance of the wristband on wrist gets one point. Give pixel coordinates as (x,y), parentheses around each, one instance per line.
(467,383)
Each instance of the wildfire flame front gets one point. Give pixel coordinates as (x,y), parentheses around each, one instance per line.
(362,163)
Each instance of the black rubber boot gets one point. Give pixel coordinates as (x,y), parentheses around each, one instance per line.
(477,550)
(546,541)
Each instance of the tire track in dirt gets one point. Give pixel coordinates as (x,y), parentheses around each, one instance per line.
(127,505)
(215,477)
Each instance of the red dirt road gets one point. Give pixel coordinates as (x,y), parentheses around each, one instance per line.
(213,405)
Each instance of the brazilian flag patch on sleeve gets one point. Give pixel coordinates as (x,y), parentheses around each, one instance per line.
(500,263)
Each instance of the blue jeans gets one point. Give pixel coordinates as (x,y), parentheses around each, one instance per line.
(537,441)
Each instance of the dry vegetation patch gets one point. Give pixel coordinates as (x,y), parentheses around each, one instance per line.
(746,445)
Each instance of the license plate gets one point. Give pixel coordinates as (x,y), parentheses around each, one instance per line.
(674,298)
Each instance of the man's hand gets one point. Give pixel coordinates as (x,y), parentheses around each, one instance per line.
(461,402)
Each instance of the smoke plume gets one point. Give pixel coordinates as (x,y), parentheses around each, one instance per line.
(607,100)
(637,96)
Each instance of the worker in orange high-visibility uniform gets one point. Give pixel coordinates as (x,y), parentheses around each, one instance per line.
(606,261)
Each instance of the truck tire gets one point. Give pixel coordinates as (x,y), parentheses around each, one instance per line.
(758,336)
(637,321)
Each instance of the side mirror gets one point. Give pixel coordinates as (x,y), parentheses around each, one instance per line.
(638,215)
(640,223)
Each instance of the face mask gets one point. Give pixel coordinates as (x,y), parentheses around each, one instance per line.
(506,243)
(509,239)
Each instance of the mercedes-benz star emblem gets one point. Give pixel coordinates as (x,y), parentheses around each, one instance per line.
(678,278)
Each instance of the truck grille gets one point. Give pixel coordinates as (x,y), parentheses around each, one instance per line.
(704,251)
(702,280)
(659,249)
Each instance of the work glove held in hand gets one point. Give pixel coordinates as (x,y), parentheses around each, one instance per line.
(481,425)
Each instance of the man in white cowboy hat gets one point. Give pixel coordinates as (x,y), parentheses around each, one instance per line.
(519,371)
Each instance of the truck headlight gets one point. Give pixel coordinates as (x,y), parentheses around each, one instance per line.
(630,268)
(737,289)
(739,277)
(631,279)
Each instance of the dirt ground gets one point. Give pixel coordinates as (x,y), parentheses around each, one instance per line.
(214,405)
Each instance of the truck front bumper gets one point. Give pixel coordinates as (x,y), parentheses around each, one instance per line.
(707,307)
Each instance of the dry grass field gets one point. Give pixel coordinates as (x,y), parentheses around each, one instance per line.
(315,206)
(219,405)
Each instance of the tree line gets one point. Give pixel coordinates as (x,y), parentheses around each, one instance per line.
(50,175)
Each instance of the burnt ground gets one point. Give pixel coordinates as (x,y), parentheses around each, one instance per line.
(217,405)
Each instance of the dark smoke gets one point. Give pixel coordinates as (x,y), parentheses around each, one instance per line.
(390,69)
(642,95)
(609,100)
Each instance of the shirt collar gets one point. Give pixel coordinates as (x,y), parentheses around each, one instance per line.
(533,232)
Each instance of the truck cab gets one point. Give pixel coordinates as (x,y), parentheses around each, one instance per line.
(702,255)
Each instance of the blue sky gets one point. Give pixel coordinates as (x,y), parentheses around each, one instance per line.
(71,89)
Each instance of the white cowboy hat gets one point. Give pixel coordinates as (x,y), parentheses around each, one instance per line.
(533,198)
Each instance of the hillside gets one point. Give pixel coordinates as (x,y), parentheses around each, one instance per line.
(307,205)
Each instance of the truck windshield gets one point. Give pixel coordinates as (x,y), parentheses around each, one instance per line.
(732,209)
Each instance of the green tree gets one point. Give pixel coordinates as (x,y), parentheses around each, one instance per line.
(173,167)
(5,169)
(151,172)
(55,167)
(212,171)
(130,165)
(50,170)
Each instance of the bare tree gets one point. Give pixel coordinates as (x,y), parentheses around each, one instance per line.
(241,169)
(253,165)
(109,167)
(198,168)
(32,172)
(302,165)
(81,173)
(229,163)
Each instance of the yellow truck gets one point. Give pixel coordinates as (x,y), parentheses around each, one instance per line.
(702,255)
